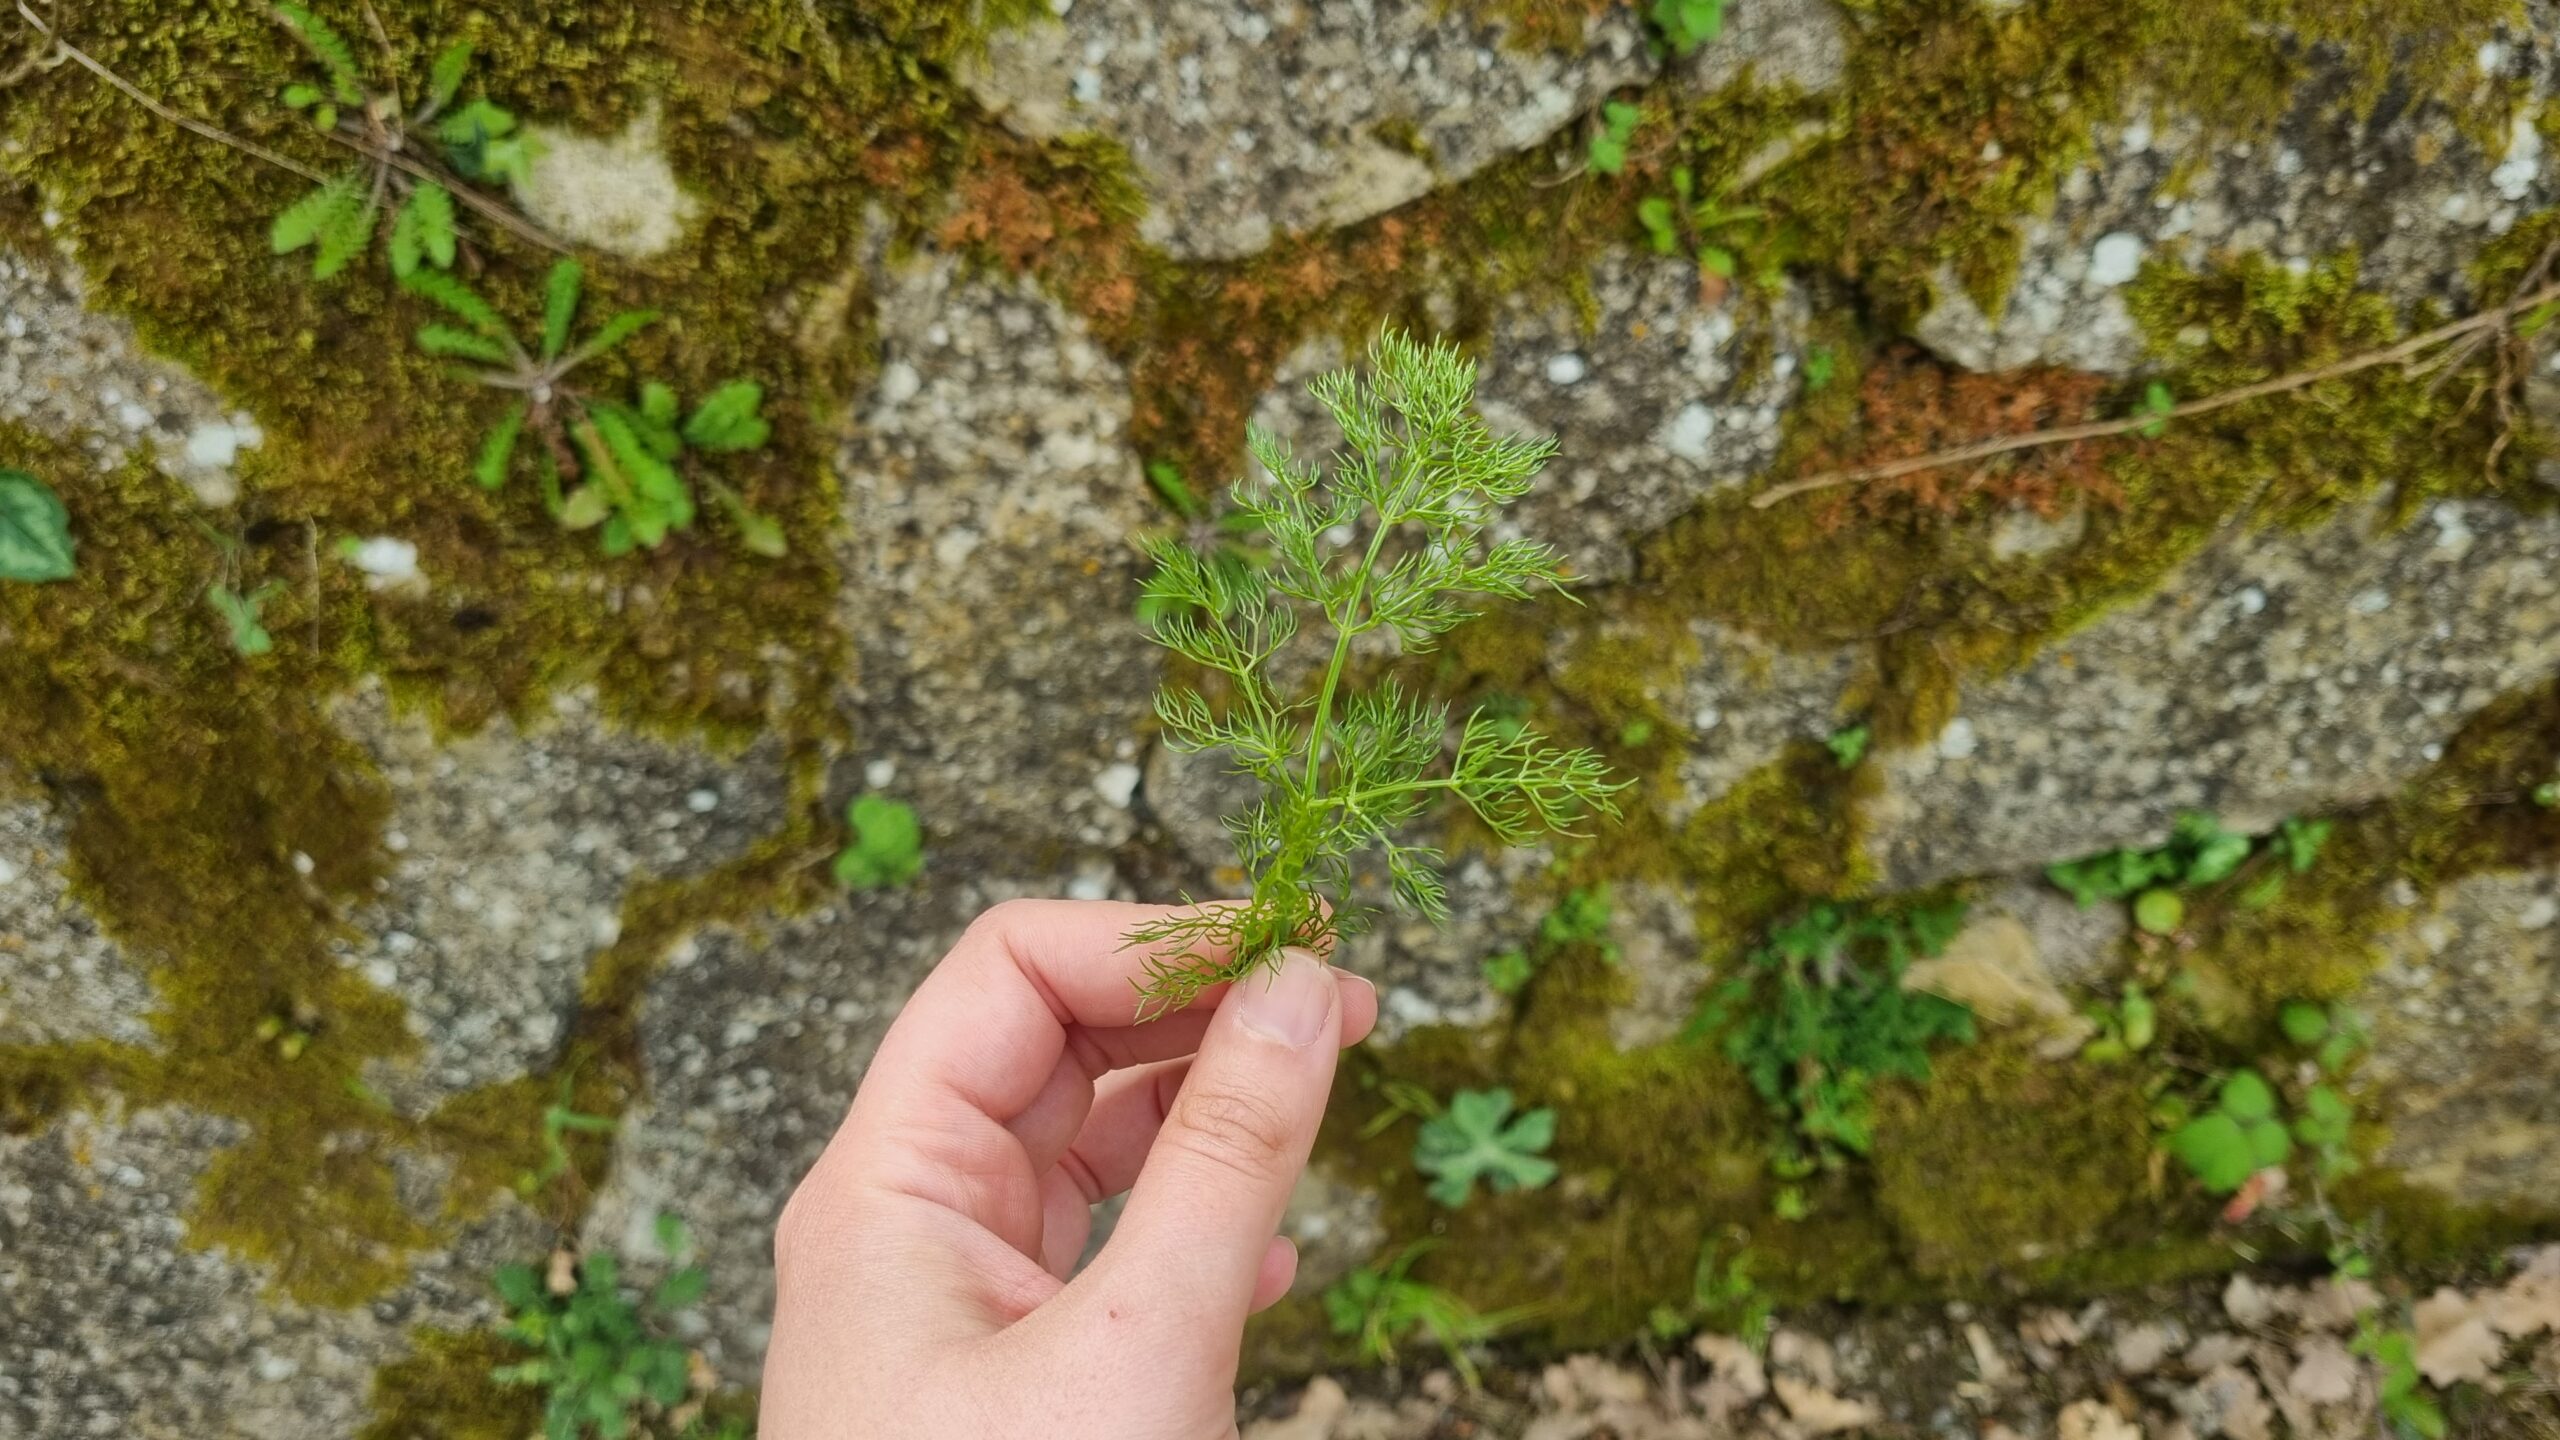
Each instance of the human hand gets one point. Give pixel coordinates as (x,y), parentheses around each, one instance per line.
(922,1264)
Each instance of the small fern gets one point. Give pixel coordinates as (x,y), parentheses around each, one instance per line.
(399,143)
(603,464)
(1389,541)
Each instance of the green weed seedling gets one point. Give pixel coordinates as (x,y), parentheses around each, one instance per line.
(242,615)
(622,458)
(2251,1127)
(1722,1297)
(1618,121)
(600,1351)
(1477,1137)
(2125,1028)
(1719,234)
(414,154)
(1582,917)
(1819,1015)
(1388,543)
(2406,1407)
(560,1120)
(887,850)
(1684,25)
(2201,853)
(1383,1306)
(1848,745)
(35,531)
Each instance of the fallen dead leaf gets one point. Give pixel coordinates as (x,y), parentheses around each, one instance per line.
(1320,1407)
(2325,1374)
(1988,1362)
(1733,1362)
(2529,1304)
(1819,1411)
(2228,1402)
(2333,1304)
(2454,1340)
(2245,1303)
(2095,1420)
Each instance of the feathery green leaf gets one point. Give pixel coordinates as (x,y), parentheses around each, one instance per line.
(457,298)
(423,230)
(454,343)
(499,450)
(727,419)
(1390,539)
(560,292)
(346,78)
(444,81)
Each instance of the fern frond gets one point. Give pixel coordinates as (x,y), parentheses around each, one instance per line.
(459,299)
(346,77)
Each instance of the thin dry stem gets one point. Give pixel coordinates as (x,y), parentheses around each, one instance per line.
(2406,349)
(183,122)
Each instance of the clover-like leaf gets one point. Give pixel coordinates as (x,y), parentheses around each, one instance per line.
(2217,1150)
(1477,1137)
(887,848)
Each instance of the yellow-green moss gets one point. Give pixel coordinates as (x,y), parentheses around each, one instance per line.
(442,1391)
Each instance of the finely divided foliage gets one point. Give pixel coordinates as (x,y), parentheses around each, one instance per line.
(1388,541)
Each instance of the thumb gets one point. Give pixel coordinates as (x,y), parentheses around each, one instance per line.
(1186,1251)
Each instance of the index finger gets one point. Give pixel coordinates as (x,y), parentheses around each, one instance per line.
(990,1023)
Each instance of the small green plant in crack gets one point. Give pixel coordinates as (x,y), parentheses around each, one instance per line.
(621,458)
(1380,1307)
(243,615)
(35,531)
(1479,1138)
(1725,237)
(560,1120)
(2251,1127)
(2406,1407)
(601,1352)
(1722,1297)
(1582,917)
(1820,1014)
(1390,544)
(1608,152)
(887,848)
(1848,745)
(415,156)
(2200,853)
(1684,25)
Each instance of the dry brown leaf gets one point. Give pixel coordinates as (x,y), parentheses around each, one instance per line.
(2095,1420)
(2229,1401)
(2529,1304)
(1818,1411)
(2325,1374)
(1734,1363)
(2454,1340)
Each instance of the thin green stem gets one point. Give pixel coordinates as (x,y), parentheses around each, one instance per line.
(1344,630)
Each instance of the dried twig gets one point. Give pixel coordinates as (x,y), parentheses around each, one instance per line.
(2415,345)
(478,203)
(183,122)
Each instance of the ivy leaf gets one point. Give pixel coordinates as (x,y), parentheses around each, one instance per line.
(887,848)
(35,531)
(727,419)
(1477,1137)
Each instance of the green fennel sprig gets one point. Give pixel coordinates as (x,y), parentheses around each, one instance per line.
(1390,540)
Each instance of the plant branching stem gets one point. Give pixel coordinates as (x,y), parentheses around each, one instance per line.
(184,122)
(2403,350)
(479,204)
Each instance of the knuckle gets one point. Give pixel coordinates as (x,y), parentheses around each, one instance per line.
(1234,1129)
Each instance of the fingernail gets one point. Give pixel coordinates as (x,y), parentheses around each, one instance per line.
(1345,977)
(1288,1004)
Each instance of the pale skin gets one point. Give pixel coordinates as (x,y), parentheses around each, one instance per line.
(926,1281)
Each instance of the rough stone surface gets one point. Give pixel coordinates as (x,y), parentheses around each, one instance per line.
(118,1328)
(990,498)
(2278,672)
(1654,404)
(60,978)
(512,856)
(1798,43)
(1249,122)
(1745,701)
(2466,1039)
(2404,192)
(76,375)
